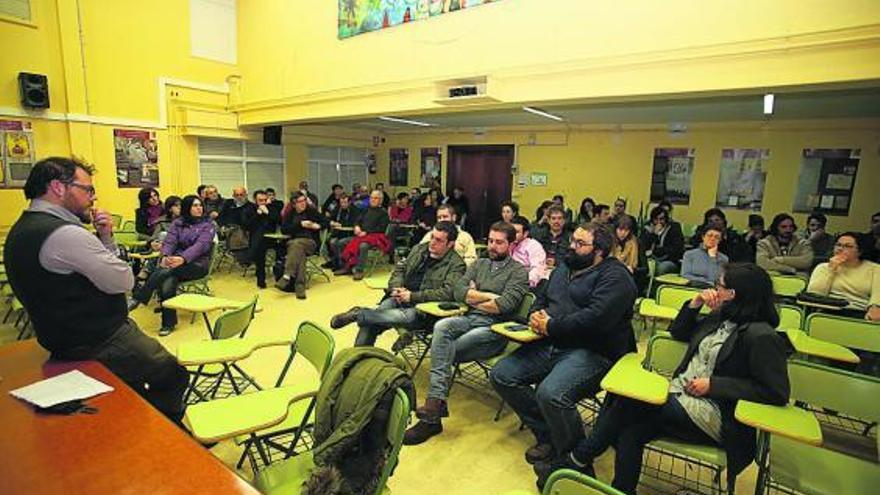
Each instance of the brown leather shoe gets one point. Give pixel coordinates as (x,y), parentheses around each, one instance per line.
(540,452)
(342,319)
(421,432)
(433,410)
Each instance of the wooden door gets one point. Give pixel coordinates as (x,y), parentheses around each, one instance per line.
(484,174)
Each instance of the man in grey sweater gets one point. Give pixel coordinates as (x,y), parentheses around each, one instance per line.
(493,290)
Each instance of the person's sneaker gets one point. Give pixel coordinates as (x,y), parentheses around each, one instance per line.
(540,452)
(165,331)
(132,304)
(342,319)
(261,284)
(432,410)
(544,469)
(358,275)
(421,432)
(402,342)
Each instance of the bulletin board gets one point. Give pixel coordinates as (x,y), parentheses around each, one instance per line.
(16,152)
(826,180)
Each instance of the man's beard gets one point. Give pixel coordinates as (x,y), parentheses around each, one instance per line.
(497,256)
(577,262)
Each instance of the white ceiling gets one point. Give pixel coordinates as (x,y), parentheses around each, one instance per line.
(854,103)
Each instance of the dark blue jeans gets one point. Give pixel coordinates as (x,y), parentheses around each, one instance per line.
(628,425)
(563,377)
(372,322)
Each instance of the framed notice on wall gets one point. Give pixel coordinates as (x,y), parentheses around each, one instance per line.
(137,158)
(671,175)
(430,169)
(398,163)
(826,180)
(16,152)
(741,178)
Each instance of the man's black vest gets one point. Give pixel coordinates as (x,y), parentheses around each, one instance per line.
(67,311)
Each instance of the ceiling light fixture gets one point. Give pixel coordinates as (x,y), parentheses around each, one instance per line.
(542,113)
(405,121)
(768,103)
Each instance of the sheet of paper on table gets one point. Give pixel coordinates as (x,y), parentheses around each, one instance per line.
(69,386)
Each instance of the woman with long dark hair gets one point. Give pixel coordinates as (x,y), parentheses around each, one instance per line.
(186,255)
(733,353)
(585,213)
(149,211)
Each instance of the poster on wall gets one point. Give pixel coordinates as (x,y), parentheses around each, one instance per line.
(398,163)
(362,16)
(430,171)
(826,180)
(741,178)
(16,152)
(671,175)
(137,158)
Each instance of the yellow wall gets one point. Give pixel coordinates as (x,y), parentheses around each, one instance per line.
(294,69)
(605,164)
(110,81)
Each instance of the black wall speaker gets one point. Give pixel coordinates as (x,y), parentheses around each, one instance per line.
(34,90)
(272,134)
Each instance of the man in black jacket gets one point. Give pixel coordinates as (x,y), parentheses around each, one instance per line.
(584,317)
(426,275)
(303,225)
(260,218)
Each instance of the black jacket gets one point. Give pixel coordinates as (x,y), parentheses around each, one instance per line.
(591,309)
(230,214)
(258,225)
(292,224)
(751,365)
(667,248)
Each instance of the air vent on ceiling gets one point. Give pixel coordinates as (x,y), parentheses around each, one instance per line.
(468,91)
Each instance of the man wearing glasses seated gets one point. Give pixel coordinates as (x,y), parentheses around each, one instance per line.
(73,285)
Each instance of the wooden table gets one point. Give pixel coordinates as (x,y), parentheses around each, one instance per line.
(127,447)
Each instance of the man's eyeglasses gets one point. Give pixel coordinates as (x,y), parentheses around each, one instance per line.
(90,190)
(580,244)
(844,246)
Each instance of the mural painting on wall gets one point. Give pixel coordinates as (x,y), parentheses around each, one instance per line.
(16,152)
(137,158)
(826,180)
(362,16)
(430,171)
(398,162)
(671,176)
(741,178)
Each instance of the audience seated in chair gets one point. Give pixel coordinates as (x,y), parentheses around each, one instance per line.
(734,353)
(464,243)
(782,251)
(663,241)
(461,205)
(755,233)
(585,213)
(554,235)
(428,274)
(260,218)
(702,265)
(186,255)
(493,289)
(342,221)
(848,275)
(331,204)
(529,252)
(211,200)
(509,210)
(626,245)
(303,225)
(732,244)
(369,233)
(585,318)
(149,211)
(822,242)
